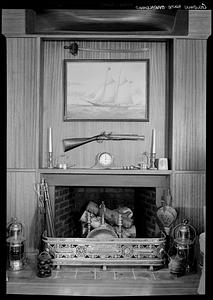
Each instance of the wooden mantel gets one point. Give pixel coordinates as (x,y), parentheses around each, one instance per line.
(107,177)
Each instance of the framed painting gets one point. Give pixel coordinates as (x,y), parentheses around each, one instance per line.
(110,90)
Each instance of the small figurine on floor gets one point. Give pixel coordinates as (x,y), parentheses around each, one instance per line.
(44,265)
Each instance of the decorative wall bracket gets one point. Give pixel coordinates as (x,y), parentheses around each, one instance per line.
(73,47)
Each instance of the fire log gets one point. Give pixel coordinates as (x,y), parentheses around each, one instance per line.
(93,208)
(112,216)
(126,232)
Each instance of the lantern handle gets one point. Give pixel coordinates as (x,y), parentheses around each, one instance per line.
(185,221)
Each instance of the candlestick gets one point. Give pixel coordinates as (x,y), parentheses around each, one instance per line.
(153,150)
(152,161)
(50,160)
(50,146)
(50,149)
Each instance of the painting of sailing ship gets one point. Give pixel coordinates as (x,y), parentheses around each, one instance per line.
(106,90)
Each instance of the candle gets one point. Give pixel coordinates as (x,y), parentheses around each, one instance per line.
(153,150)
(50,146)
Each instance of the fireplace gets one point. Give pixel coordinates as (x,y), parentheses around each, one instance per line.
(71,202)
(139,190)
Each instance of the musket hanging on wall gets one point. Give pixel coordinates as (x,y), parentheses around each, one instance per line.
(72,143)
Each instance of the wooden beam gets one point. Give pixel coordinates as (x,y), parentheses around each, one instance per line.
(107,180)
(199,24)
(23,21)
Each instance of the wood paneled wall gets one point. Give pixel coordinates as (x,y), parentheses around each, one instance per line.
(189,105)
(22,102)
(189,130)
(22,203)
(23,65)
(125,152)
(189,190)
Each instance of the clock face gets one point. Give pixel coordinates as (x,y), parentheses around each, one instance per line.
(105,159)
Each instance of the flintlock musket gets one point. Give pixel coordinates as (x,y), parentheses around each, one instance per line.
(72,143)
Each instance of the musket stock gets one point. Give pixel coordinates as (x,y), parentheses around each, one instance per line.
(72,143)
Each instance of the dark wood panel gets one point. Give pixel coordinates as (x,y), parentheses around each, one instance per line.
(189,107)
(125,152)
(22,102)
(13,21)
(189,192)
(22,203)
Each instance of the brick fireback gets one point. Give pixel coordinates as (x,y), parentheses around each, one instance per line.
(70,203)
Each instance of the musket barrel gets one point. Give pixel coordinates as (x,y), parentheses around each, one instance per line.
(130,137)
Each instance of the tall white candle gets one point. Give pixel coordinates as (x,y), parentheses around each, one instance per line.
(50,143)
(153,150)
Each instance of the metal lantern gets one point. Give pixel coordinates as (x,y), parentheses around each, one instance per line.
(16,245)
(184,236)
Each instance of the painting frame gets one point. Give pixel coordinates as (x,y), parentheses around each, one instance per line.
(125,83)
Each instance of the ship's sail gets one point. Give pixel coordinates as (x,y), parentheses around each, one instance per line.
(124,93)
(105,92)
(113,92)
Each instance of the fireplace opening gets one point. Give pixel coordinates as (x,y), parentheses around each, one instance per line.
(72,202)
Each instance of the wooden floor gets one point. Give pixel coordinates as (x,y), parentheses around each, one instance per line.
(87,281)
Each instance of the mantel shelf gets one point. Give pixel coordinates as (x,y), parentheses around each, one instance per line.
(107,177)
(116,171)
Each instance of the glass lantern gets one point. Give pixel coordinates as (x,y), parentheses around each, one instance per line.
(184,236)
(16,246)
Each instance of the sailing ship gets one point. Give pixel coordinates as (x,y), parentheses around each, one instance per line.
(115,93)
